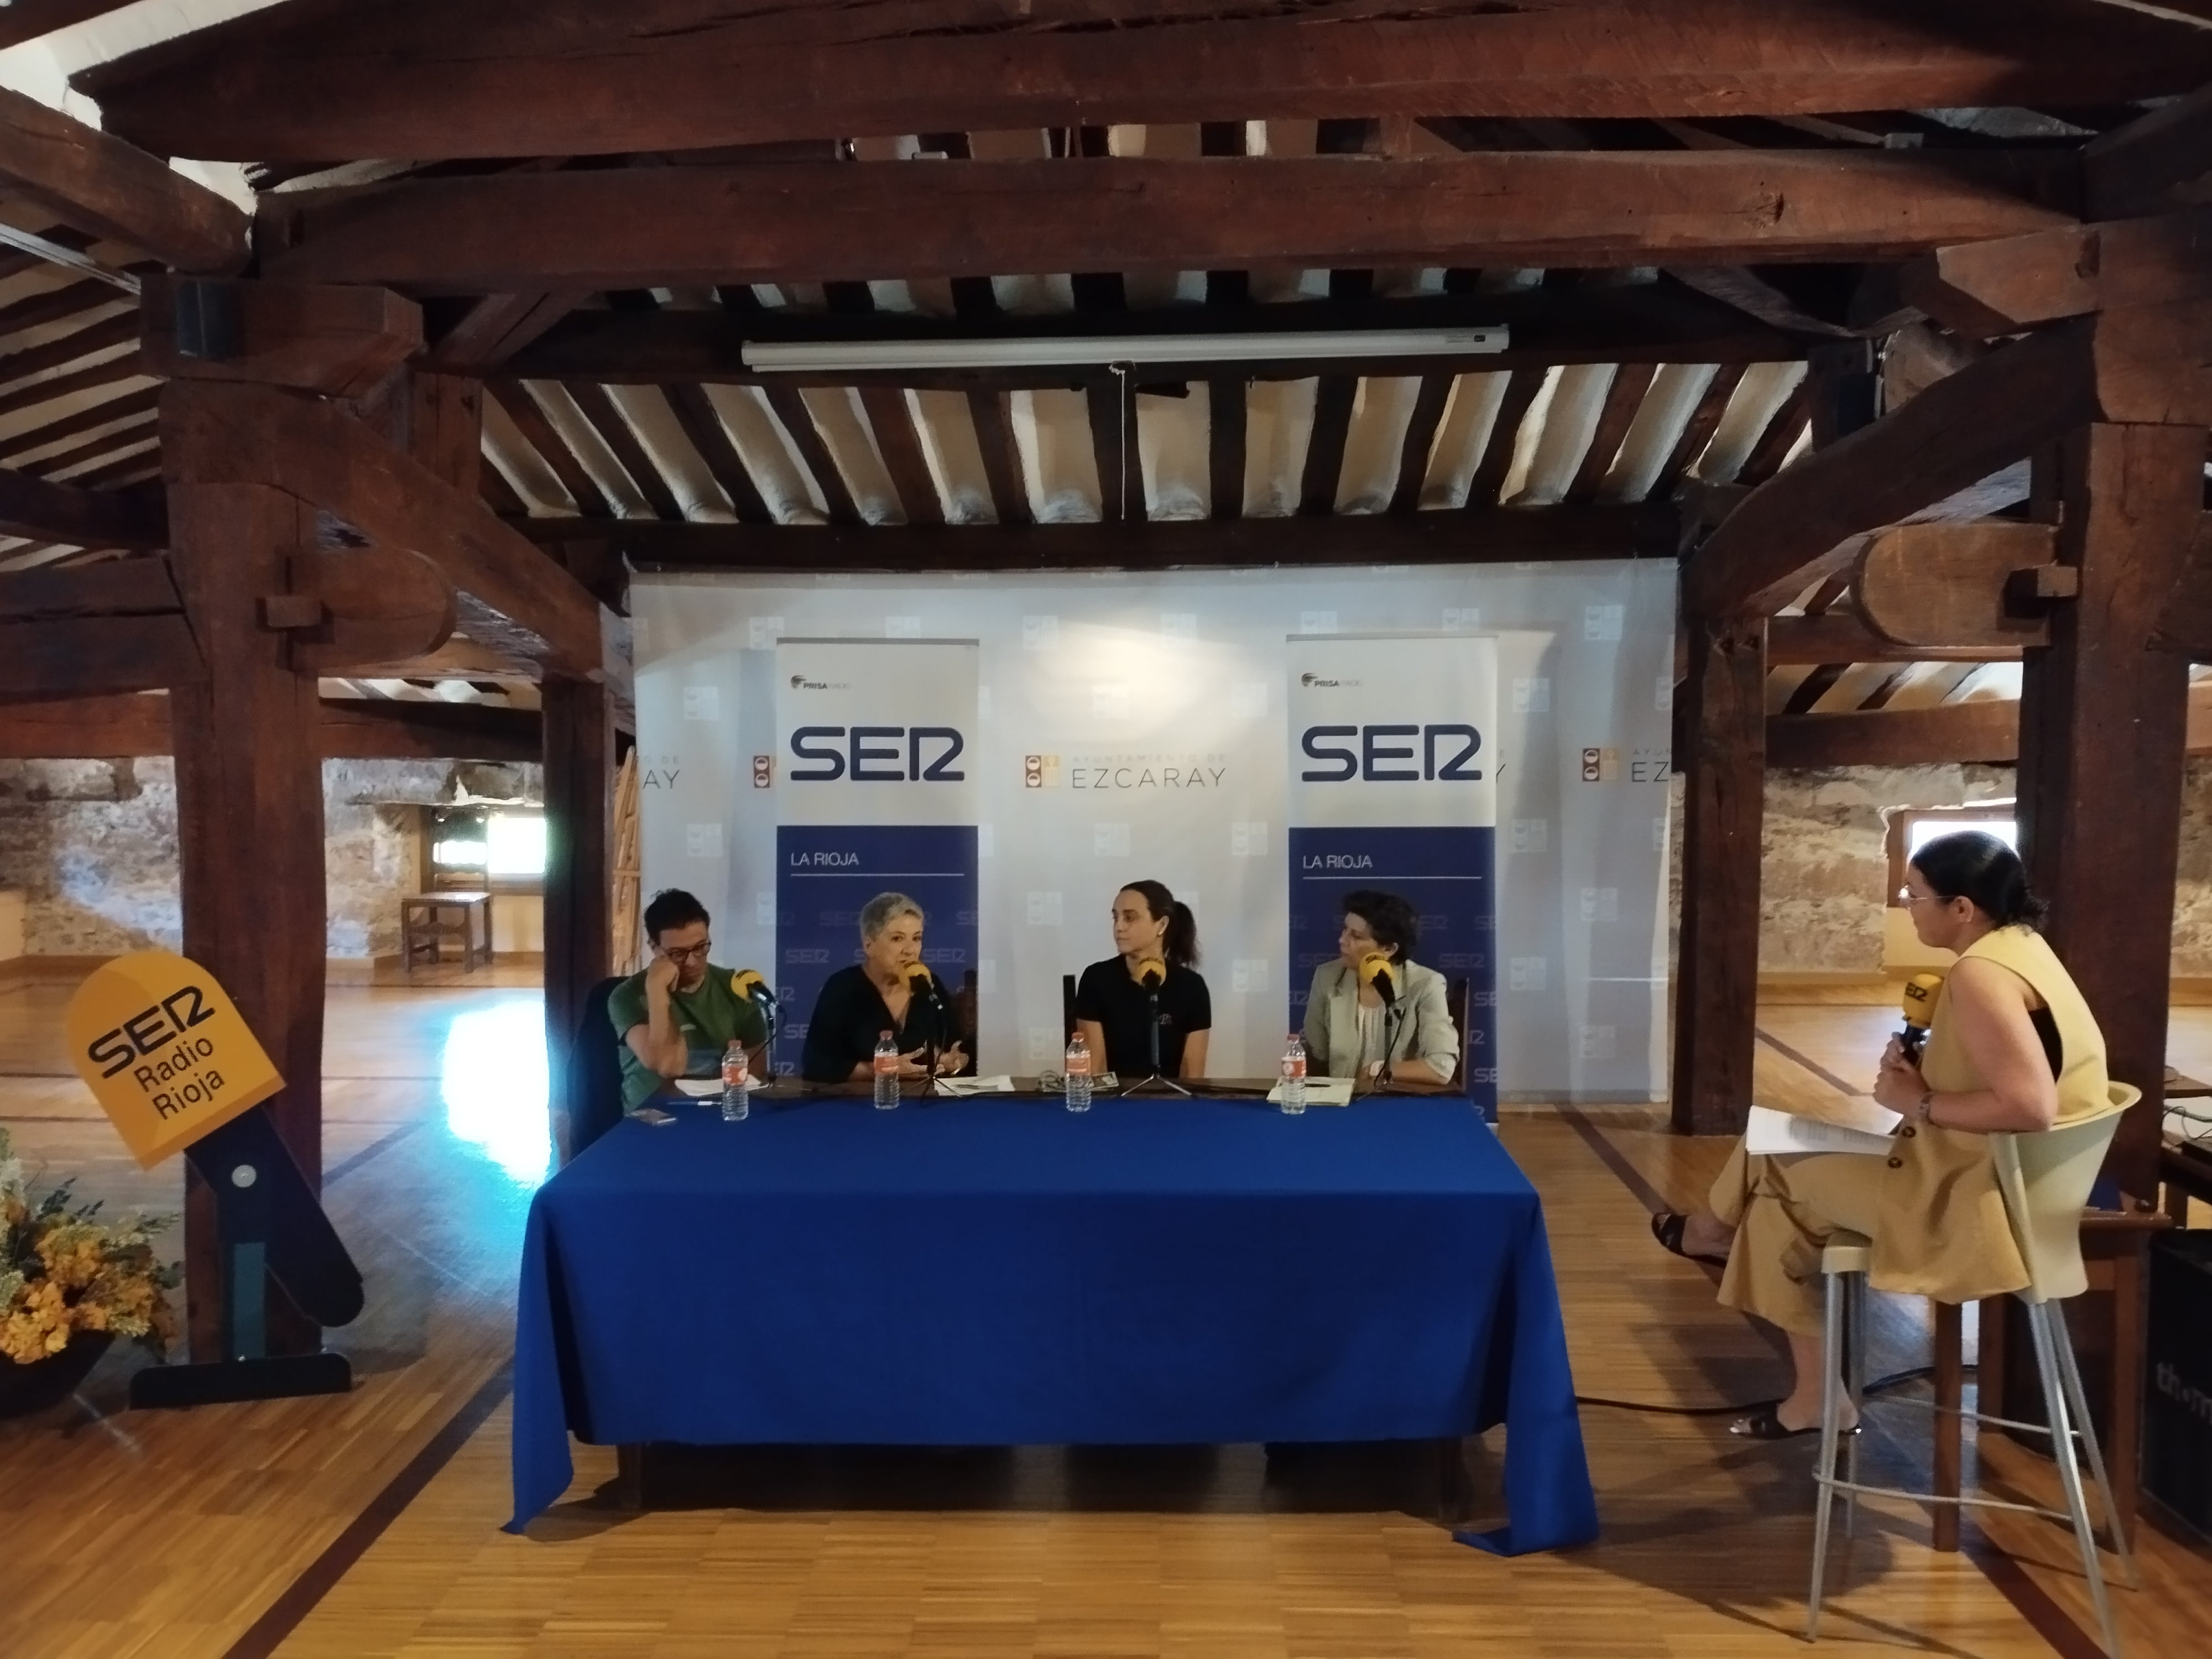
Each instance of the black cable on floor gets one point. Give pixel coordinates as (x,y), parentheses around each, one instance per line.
(1879,1385)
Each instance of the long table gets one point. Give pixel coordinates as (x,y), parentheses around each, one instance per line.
(1002,1271)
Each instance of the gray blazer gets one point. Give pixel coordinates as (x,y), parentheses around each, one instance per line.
(1424,1029)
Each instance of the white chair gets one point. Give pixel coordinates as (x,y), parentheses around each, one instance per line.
(2045,1180)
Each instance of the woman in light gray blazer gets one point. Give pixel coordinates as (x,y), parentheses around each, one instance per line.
(1347,1020)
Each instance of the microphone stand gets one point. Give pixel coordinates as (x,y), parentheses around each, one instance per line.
(1152,1028)
(1393,1016)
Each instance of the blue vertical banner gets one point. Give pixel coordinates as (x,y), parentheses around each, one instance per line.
(1393,787)
(876,782)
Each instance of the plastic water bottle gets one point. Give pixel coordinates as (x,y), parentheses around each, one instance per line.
(736,1097)
(887,1072)
(1294,1075)
(1077,1071)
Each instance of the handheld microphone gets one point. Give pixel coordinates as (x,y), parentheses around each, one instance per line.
(1152,973)
(1377,969)
(749,984)
(1918,1002)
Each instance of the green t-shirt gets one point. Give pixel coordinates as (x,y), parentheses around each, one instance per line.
(711,1019)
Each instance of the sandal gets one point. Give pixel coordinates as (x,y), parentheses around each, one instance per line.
(1667,1228)
(1767,1424)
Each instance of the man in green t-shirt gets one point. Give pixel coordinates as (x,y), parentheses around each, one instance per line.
(677,1019)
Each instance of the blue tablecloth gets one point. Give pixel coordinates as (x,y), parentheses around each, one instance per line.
(1001,1272)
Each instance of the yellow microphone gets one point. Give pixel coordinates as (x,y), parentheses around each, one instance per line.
(1152,973)
(918,976)
(1378,969)
(747,983)
(1917,1000)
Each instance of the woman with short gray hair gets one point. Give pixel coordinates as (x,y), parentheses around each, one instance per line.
(889,989)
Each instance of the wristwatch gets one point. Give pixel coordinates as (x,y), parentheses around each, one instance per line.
(1927,1105)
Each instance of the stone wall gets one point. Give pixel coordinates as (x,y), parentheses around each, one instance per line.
(1825,868)
(1825,874)
(93,846)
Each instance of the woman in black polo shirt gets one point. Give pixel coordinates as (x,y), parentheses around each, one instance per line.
(1157,938)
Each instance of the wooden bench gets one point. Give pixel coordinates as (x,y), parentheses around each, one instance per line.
(427,920)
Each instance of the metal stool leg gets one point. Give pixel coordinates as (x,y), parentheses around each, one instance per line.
(2070,1371)
(1823,1471)
(2069,1474)
(1855,1380)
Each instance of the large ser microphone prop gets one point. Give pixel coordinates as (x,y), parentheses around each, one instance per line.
(1918,1002)
(1152,974)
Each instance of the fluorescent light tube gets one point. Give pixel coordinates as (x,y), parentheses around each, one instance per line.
(823,356)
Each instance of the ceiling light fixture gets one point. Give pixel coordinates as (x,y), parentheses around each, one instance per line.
(821,356)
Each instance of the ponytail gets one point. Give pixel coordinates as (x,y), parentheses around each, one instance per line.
(1180,943)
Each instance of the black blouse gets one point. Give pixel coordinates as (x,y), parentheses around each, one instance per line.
(1107,994)
(850,1014)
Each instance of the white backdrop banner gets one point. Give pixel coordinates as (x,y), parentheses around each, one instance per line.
(1138,725)
(873,775)
(1393,785)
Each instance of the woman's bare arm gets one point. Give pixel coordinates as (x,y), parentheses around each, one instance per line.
(1988,1008)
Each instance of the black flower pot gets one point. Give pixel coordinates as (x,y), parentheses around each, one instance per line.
(48,1382)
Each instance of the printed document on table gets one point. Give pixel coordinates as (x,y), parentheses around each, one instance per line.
(1775,1132)
(975,1085)
(1320,1091)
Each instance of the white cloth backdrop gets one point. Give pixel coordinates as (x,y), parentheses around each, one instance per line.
(1133,724)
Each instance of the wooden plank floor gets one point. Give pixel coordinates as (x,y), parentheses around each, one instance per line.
(188,1536)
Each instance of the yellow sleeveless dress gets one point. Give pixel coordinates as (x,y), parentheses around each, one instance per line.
(1942,1230)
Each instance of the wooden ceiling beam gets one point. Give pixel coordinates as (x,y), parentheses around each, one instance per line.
(701,422)
(81,517)
(99,182)
(993,414)
(1499,535)
(495,327)
(798,422)
(538,431)
(2156,161)
(215,435)
(823,221)
(140,400)
(1429,406)
(598,410)
(2151,366)
(1623,397)
(898,439)
(338,341)
(1949,733)
(1841,637)
(104,335)
(351,728)
(1987,288)
(431,79)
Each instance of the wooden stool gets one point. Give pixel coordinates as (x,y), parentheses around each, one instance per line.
(427,920)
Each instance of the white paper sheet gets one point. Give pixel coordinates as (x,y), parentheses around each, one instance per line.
(1320,1091)
(1000,1085)
(1775,1132)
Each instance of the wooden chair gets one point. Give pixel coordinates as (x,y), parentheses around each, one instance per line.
(427,920)
(1459,996)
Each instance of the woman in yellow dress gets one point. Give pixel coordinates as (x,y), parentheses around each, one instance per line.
(2011,1046)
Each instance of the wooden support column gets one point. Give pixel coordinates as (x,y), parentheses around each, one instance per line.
(1722,751)
(580,761)
(249,818)
(2104,723)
